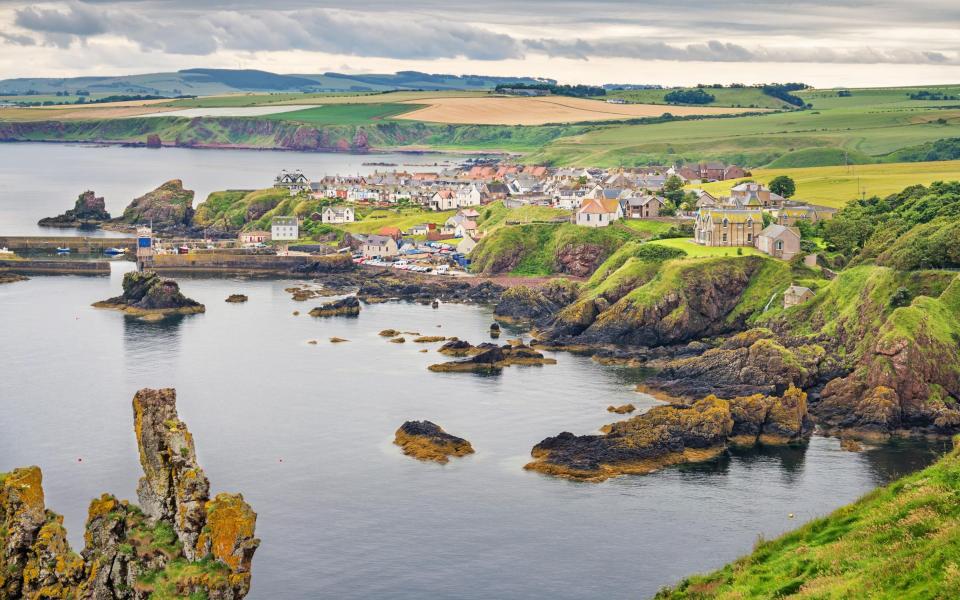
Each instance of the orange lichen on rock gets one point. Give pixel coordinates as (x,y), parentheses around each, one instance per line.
(622,409)
(229,532)
(424,440)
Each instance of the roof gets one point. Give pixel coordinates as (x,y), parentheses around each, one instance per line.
(798,290)
(389,231)
(468,224)
(445,193)
(735,215)
(598,207)
(775,231)
(284,221)
(378,240)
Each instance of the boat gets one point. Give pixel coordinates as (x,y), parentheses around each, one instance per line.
(114,251)
(61,250)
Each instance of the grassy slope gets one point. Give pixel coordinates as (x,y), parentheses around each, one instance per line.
(403,219)
(901,541)
(695,250)
(835,186)
(345,114)
(496,215)
(747,97)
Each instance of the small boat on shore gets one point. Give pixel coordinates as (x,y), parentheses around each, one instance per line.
(63,250)
(114,251)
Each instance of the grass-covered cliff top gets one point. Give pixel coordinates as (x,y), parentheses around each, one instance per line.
(898,542)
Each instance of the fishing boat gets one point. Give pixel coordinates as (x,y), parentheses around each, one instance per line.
(114,251)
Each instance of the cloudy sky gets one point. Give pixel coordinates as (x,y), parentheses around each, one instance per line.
(821,42)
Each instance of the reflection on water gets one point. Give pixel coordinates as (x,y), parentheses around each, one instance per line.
(304,432)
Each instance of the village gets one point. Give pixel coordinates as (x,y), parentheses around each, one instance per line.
(750,215)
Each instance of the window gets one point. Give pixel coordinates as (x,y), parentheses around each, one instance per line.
(749,237)
(725,223)
(724,237)
(779,244)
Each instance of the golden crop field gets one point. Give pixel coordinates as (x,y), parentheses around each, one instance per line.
(501,110)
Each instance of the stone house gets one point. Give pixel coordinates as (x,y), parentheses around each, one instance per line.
(284,229)
(643,207)
(379,245)
(749,193)
(779,241)
(254,237)
(338,214)
(727,227)
(796,294)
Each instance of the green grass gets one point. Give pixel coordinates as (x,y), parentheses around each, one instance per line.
(739,97)
(836,186)
(898,542)
(344,114)
(403,219)
(648,227)
(695,250)
(496,215)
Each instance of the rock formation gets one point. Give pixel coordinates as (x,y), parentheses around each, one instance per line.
(424,440)
(169,207)
(349,307)
(490,358)
(668,435)
(148,296)
(180,543)
(429,339)
(11,277)
(88,211)
(622,409)
(457,348)
(525,304)
(236,298)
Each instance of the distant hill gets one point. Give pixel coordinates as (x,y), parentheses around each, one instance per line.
(203,82)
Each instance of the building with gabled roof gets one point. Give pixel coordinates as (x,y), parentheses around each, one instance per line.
(779,241)
(727,226)
(598,212)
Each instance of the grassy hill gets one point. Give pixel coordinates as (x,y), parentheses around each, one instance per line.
(836,186)
(901,541)
(740,97)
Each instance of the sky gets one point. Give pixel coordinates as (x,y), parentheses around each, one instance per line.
(668,42)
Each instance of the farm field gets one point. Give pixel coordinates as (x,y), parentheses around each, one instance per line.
(343,114)
(318,98)
(695,250)
(501,110)
(106,111)
(740,97)
(836,186)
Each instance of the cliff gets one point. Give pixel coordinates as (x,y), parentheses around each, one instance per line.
(179,543)
(146,295)
(88,211)
(167,207)
(899,541)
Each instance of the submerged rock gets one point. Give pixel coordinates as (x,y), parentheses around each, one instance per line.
(11,277)
(236,298)
(678,433)
(349,307)
(337,340)
(88,211)
(180,541)
(424,440)
(389,333)
(147,295)
(429,339)
(622,409)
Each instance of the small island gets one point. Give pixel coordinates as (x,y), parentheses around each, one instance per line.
(345,307)
(147,296)
(488,358)
(89,212)
(425,440)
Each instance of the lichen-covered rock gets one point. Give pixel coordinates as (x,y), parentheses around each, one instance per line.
(88,211)
(167,207)
(348,307)
(457,348)
(490,358)
(181,545)
(622,409)
(147,295)
(424,440)
(522,303)
(236,298)
(429,339)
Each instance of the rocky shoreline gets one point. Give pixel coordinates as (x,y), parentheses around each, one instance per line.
(149,297)
(179,542)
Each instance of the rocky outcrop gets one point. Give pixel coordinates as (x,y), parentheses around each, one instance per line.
(236,298)
(169,207)
(531,304)
(622,409)
(153,141)
(458,348)
(180,543)
(424,440)
(148,296)
(347,307)
(11,277)
(490,358)
(429,339)
(384,286)
(331,263)
(752,362)
(580,260)
(678,433)
(89,211)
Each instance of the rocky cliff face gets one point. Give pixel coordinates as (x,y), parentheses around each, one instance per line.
(147,295)
(88,211)
(167,207)
(179,543)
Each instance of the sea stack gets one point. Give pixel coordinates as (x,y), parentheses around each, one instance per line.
(89,211)
(148,296)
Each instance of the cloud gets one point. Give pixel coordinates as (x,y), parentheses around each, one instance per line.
(78,19)
(17,39)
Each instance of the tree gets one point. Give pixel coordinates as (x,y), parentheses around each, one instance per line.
(783,185)
(673,190)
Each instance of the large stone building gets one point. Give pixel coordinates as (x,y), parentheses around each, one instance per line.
(728,227)
(285,229)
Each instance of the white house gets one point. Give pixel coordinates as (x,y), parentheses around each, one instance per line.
(338,214)
(599,213)
(284,228)
(443,200)
(295,181)
(380,245)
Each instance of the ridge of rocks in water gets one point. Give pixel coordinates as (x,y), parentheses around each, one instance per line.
(668,435)
(622,409)
(12,277)
(89,211)
(148,296)
(179,542)
(348,307)
(489,358)
(425,440)
(236,298)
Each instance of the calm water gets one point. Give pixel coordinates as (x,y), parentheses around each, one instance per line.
(43,180)
(305,433)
